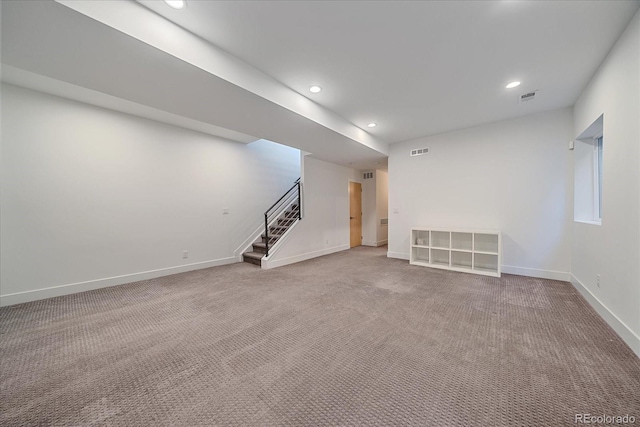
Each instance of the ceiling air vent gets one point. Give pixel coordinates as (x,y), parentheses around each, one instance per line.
(530,96)
(419,151)
(368,175)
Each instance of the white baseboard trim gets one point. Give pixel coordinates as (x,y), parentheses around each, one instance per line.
(374,244)
(267,264)
(534,272)
(398,255)
(520,271)
(72,288)
(627,335)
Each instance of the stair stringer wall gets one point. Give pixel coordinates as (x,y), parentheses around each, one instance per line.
(273,250)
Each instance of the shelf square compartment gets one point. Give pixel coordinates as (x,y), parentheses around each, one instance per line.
(462,241)
(461,259)
(486,242)
(439,257)
(440,239)
(420,255)
(485,262)
(421,237)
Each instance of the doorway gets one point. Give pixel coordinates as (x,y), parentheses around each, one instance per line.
(355,213)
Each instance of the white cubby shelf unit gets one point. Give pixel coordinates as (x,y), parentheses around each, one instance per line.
(468,251)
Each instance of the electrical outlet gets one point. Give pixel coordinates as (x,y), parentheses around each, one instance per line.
(185,254)
(598,280)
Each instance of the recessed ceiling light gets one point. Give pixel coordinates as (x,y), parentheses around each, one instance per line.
(372,125)
(315,89)
(176,4)
(512,85)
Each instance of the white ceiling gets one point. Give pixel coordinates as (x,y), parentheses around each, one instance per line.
(82,49)
(417,68)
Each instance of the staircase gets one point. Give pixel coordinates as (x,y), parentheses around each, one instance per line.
(281,216)
(259,250)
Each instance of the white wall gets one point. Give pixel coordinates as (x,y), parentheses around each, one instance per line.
(374,208)
(91,197)
(382,205)
(514,176)
(612,250)
(369,210)
(325,226)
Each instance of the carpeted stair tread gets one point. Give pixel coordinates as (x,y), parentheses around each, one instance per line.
(254,255)
(253,258)
(260,247)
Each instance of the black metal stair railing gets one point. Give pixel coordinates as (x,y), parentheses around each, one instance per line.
(278,208)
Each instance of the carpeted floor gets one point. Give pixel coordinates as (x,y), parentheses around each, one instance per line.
(350,339)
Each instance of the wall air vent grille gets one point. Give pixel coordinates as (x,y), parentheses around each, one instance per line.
(530,96)
(368,175)
(419,151)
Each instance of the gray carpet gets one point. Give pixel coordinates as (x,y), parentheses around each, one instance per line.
(348,339)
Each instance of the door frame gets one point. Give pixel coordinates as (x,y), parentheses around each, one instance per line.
(350,180)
